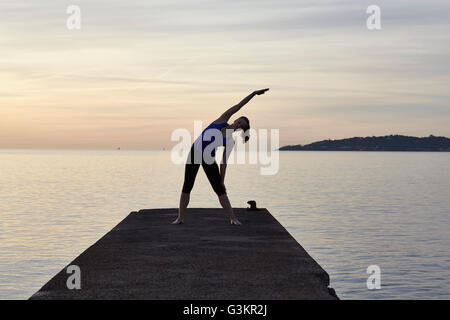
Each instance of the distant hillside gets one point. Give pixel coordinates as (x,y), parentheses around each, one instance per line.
(386,143)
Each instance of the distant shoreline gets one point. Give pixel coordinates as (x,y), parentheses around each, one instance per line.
(392,143)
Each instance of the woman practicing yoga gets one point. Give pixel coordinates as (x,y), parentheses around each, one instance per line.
(198,156)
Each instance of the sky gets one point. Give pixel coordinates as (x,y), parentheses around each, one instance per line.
(137,70)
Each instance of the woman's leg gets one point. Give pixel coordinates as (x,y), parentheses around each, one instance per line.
(190,172)
(184,201)
(212,172)
(225,203)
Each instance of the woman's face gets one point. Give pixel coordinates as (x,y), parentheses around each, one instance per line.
(239,123)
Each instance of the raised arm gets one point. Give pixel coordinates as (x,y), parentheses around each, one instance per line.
(227,114)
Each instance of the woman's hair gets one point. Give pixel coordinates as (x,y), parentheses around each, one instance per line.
(246,129)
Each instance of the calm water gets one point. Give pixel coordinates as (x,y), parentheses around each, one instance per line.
(349,210)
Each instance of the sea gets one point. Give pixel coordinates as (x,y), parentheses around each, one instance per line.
(353,212)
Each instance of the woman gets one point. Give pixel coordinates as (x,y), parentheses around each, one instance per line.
(198,156)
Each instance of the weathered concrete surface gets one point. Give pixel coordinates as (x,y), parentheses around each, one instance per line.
(145,257)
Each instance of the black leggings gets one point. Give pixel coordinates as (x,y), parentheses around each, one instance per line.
(211,170)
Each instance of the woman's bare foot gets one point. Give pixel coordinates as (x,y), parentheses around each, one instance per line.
(235,222)
(178,221)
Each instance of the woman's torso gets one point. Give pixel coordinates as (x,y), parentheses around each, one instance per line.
(203,141)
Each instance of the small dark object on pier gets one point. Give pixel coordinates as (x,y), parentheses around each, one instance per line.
(252,204)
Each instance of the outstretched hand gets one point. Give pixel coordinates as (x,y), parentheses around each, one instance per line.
(262,91)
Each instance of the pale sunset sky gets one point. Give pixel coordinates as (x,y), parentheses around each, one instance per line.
(138,69)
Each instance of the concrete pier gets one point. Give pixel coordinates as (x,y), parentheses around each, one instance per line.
(145,257)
